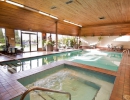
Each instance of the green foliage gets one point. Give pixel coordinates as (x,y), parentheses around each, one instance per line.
(17,38)
(43,42)
(68,41)
(2,46)
(48,42)
(2,38)
(100,38)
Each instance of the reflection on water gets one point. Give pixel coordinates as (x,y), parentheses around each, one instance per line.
(107,60)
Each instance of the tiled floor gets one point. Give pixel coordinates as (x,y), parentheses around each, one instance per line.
(10,87)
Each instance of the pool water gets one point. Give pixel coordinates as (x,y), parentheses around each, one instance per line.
(105,60)
(81,84)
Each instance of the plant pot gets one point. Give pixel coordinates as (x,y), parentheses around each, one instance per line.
(76,46)
(49,48)
(44,48)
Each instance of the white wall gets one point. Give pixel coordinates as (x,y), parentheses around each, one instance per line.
(114,40)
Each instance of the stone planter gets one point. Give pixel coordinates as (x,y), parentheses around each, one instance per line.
(49,48)
(76,46)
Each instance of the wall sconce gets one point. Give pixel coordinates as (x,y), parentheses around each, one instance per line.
(93,35)
(120,34)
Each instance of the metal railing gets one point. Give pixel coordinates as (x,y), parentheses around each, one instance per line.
(43,89)
(13,59)
(127,51)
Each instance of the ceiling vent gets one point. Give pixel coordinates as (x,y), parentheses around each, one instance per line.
(101,17)
(120,34)
(70,1)
(54,7)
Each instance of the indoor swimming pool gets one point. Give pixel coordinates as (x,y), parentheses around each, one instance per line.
(100,59)
(81,84)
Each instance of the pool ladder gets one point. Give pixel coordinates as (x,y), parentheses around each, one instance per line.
(127,51)
(43,89)
(13,59)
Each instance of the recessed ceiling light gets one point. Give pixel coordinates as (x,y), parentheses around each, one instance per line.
(120,34)
(102,17)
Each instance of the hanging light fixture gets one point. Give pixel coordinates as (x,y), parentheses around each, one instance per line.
(120,34)
(93,34)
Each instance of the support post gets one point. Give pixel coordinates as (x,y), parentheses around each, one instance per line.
(56,37)
(78,40)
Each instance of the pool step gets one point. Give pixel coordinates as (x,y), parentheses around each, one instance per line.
(40,95)
(46,95)
(11,68)
(102,94)
(15,64)
(2,64)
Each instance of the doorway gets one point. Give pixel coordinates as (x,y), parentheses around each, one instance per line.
(29,42)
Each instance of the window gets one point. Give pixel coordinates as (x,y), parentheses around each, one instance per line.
(2,39)
(39,40)
(53,36)
(18,38)
(123,38)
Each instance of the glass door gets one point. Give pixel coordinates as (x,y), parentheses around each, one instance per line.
(29,42)
(26,42)
(33,38)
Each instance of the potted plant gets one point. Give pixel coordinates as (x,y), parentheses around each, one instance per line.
(49,45)
(75,43)
(100,38)
(43,43)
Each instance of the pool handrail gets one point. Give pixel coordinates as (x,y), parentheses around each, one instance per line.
(127,51)
(43,89)
(13,59)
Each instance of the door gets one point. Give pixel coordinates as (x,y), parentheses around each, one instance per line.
(29,42)
(33,39)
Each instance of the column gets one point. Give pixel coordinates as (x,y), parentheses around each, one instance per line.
(56,37)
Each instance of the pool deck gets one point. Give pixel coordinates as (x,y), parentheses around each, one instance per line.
(10,87)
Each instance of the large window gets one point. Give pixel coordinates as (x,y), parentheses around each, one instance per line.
(39,40)
(53,36)
(2,39)
(125,38)
(63,40)
(18,38)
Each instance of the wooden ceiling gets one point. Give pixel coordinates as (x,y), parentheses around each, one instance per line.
(18,18)
(84,12)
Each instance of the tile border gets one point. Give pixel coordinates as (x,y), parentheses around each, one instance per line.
(11,88)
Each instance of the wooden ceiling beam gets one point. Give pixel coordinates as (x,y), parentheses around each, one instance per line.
(109,24)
